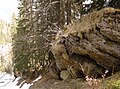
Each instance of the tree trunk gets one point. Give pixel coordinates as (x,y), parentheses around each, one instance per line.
(68,11)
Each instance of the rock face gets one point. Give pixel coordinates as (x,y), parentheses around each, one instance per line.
(87,48)
(90,46)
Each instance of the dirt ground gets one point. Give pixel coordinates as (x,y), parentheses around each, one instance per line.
(112,82)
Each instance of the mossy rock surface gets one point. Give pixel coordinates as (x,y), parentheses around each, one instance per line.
(91,45)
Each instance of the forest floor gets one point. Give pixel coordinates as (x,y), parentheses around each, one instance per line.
(112,82)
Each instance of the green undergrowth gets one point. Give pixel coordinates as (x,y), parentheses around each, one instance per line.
(112,82)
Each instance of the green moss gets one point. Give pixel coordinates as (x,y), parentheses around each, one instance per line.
(116,84)
(113,84)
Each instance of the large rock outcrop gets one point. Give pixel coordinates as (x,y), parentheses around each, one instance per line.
(91,45)
(87,49)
